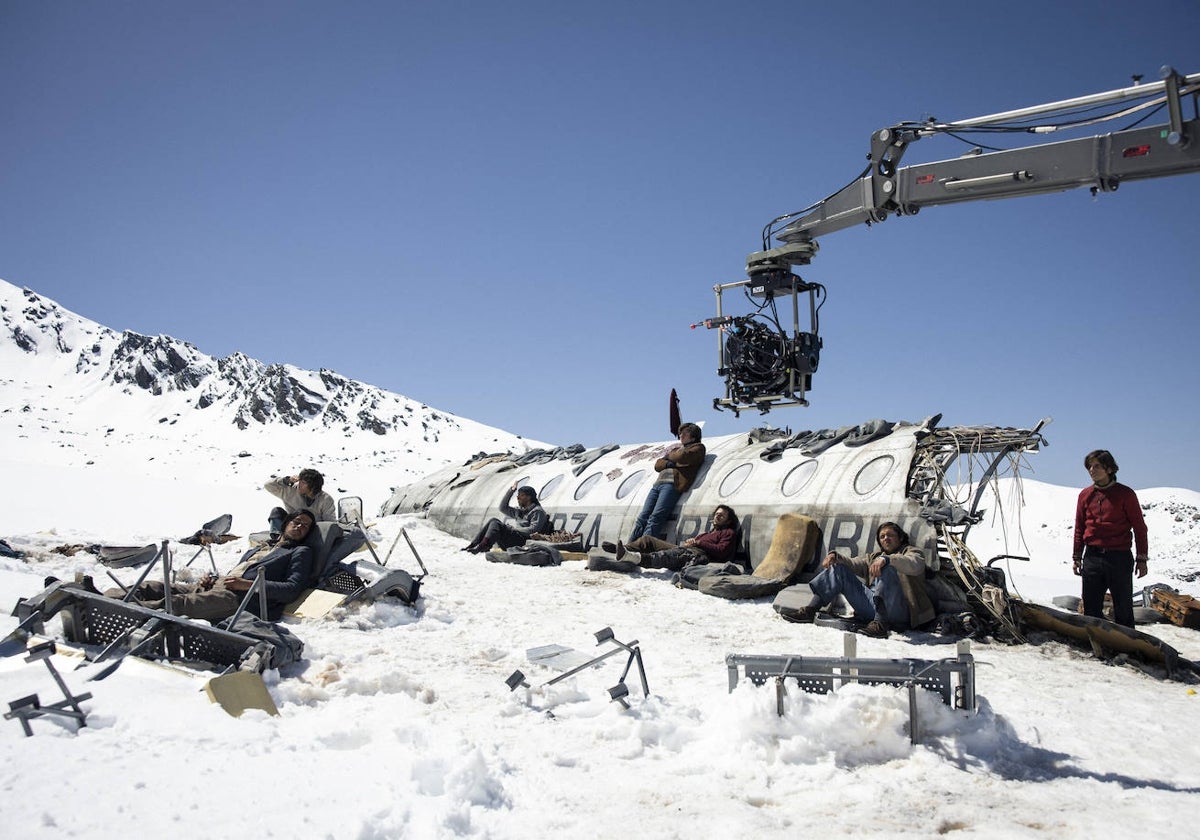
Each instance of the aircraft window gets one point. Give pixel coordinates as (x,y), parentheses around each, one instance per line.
(630,484)
(735,479)
(550,486)
(586,486)
(873,474)
(798,478)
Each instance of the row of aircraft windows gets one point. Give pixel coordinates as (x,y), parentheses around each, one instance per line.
(866,480)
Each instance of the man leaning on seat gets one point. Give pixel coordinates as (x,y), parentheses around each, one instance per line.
(894,594)
(287,569)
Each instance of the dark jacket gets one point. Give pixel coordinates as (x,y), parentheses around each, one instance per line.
(288,571)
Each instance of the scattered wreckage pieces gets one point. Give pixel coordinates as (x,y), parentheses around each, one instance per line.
(1180,610)
(1107,640)
(92,619)
(952,679)
(571,662)
(27,708)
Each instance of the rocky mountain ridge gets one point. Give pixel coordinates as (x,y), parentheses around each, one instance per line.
(249,392)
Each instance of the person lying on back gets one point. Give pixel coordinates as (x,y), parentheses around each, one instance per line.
(287,570)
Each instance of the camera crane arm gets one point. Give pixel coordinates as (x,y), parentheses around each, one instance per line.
(1101,162)
(764,367)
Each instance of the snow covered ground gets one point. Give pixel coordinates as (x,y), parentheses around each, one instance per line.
(399,722)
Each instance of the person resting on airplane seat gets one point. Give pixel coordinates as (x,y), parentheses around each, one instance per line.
(287,568)
(716,545)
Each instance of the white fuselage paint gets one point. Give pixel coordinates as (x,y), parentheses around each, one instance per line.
(848,490)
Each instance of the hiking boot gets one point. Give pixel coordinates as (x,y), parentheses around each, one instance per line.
(804,615)
(610,547)
(620,550)
(607,564)
(876,629)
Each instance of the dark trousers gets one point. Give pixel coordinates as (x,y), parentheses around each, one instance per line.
(495,532)
(1108,571)
(190,600)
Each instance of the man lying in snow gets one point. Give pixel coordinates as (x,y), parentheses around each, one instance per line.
(894,594)
(287,568)
(716,545)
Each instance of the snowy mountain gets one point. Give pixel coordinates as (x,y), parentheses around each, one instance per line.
(243,389)
(154,409)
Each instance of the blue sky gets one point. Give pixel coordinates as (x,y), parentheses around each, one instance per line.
(514,211)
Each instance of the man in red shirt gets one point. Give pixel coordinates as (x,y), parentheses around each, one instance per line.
(1106,515)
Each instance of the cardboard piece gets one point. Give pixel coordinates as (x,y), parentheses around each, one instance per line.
(239,691)
(315,603)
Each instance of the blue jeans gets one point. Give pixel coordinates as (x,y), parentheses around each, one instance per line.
(656,511)
(841,580)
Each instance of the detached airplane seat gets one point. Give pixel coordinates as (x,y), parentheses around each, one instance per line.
(796,540)
(338,583)
(119,628)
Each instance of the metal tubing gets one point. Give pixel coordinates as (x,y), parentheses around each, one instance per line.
(166,559)
(142,577)
(1117,95)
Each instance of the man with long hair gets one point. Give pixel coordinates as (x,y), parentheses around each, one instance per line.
(1106,515)
(886,588)
(716,545)
(287,571)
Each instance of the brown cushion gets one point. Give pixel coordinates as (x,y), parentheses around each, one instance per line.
(795,540)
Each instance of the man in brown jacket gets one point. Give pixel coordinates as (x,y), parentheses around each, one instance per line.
(894,595)
(676,472)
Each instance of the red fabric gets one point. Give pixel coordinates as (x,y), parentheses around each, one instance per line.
(676,422)
(718,544)
(1104,518)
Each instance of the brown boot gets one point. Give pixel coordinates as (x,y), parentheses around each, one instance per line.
(804,615)
(876,629)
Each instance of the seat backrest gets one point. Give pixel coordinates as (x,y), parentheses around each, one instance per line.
(741,551)
(793,544)
(321,539)
(218,527)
